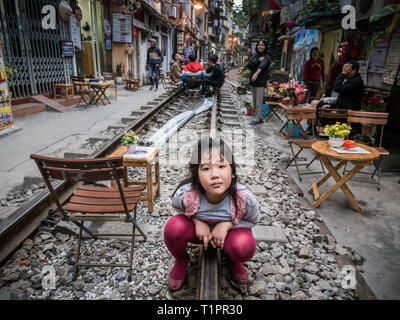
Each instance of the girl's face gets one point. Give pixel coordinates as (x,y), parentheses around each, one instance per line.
(215,175)
(260,47)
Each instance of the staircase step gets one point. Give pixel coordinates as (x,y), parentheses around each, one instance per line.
(27,109)
(50,104)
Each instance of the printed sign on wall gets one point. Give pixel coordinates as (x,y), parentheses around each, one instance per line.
(6,117)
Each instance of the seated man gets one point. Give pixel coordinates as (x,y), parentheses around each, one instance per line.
(176,68)
(193,69)
(215,79)
(350,87)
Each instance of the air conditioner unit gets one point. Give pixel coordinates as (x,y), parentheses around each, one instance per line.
(365,8)
(172,12)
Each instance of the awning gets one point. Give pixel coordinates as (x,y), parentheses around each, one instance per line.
(316,16)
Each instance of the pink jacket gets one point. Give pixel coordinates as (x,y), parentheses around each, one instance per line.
(191,201)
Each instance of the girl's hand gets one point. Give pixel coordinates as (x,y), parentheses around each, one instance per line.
(219,234)
(202,231)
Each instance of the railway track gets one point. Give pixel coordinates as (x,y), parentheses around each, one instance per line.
(20,225)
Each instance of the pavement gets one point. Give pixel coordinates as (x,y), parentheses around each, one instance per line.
(54,133)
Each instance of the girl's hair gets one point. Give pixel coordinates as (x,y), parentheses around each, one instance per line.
(313,49)
(208,145)
(265,44)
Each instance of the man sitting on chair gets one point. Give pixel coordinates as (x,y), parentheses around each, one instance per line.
(176,68)
(193,69)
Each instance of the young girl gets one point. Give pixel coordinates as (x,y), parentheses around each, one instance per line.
(214,210)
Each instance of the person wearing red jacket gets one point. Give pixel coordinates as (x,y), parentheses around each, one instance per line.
(193,65)
(195,69)
(314,72)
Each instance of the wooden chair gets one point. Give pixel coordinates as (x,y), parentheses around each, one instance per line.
(130,83)
(197,80)
(66,90)
(111,76)
(378,119)
(298,114)
(329,116)
(91,203)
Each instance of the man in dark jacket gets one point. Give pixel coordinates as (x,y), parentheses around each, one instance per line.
(350,87)
(154,60)
(217,77)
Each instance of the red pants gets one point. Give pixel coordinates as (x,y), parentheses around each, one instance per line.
(240,245)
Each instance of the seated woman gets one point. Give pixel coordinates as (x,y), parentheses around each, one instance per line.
(192,69)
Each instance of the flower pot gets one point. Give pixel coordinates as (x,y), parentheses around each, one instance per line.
(336,142)
(132,148)
(118,80)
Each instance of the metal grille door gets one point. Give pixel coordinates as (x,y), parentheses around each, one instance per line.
(31,50)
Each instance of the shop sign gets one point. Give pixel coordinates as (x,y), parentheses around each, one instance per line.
(67,49)
(108,44)
(6,117)
(107,27)
(76,32)
(121,27)
(180,38)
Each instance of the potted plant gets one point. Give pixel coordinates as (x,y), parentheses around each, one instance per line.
(336,133)
(118,79)
(130,139)
(363,138)
(293,92)
(244,81)
(100,78)
(375,104)
(248,106)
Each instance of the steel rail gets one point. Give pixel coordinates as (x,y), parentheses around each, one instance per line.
(25,220)
(207,281)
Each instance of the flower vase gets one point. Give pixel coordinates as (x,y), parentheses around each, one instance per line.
(335,142)
(132,148)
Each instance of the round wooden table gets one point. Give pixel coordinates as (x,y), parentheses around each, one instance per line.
(324,152)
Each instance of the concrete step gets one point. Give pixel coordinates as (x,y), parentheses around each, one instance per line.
(97,139)
(146,107)
(138,112)
(229,111)
(269,234)
(51,105)
(26,109)
(76,154)
(128,119)
(116,126)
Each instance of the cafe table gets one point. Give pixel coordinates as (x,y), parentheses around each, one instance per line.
(325,153)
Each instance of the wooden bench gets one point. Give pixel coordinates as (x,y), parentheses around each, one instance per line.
(66,90)
(130,83)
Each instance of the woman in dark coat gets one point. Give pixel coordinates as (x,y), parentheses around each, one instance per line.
(258,64)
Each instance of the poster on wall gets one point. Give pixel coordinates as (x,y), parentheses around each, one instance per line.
(67,49)
(304,41)
(6,117)
(392,60)
(121,27)
(377,57)
(75,25)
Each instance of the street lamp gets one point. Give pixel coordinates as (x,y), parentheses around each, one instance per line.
(198,5)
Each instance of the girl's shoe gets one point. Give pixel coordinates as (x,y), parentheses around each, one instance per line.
(238,272)
(175,284)
(254,122)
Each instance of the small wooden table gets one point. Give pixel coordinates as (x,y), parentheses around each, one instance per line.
(99,90)
(67,90)
(144,161)
(322,149)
